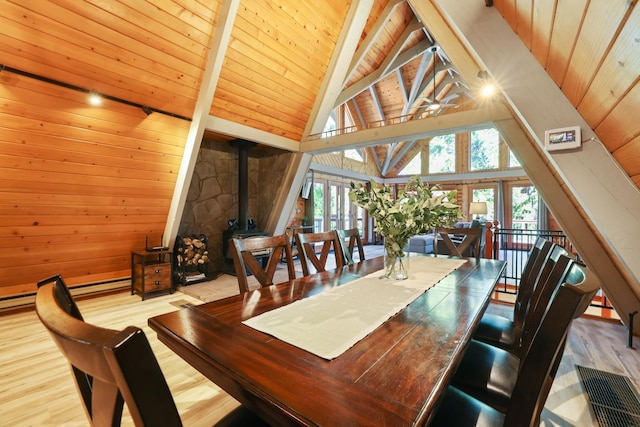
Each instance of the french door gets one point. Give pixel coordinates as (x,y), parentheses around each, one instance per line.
(332,208)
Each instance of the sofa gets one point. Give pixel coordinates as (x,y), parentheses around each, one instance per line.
(423,243)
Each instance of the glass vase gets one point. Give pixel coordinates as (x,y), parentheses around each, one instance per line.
(396,261)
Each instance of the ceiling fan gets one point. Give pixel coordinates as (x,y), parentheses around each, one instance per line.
(434,106)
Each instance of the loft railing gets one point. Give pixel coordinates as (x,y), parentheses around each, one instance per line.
(369,125)
(513,245)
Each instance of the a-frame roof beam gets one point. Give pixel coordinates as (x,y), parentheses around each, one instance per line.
(377,28)
(408,145)
(415,86)
(215,59)
(377,75)
(413,26)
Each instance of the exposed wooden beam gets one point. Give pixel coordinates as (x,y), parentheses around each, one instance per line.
(608,246)
(408,145)
(217,51)
(378,75)
(238,130)
(397,48)
(415,85)
(376,103)
(371,37)
(413,129)
(403,87)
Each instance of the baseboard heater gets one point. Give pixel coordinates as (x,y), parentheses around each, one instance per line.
(12,302)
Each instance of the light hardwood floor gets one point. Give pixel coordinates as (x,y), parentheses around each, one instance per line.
(36,387)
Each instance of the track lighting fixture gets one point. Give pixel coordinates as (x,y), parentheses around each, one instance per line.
(94,98)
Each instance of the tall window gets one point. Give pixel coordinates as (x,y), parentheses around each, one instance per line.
(414,167)
(354,154)
(485,195)
(442,154)
(513,161)
(524,207)
(484,150)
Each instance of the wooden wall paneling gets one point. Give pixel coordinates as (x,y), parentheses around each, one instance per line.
(80,187)
(524,20)
(621,126)
(71,117)
(287,111)
(128,47)
(124,44)
(603,20)
(68,69)
(616,76)
(255,119)
(35,147)
(568,19)
(291,31)
(264,84)
(507,9)
(543,18)
(629,158)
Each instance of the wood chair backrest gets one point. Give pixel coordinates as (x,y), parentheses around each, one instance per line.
(110,367)
(350,239)
(538,255)
(273,248)
(309,259)
(565,270)
(539,364)
(466,242)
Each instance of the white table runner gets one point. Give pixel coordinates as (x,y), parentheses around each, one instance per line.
(329,323)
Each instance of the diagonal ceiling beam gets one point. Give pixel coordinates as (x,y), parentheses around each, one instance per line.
(377,75)
(415,86)
(408,145)
(217,51)
(413,26)
(377,28)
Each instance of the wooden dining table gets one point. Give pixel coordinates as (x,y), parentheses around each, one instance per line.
(395,376)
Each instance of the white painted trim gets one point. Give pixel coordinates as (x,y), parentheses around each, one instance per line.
(413,129)
(238,130)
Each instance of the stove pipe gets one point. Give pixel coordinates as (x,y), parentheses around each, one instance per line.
(243,181)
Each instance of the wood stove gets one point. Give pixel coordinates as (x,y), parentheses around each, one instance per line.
(241,228)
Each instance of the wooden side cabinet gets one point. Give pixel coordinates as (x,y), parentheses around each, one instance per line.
(151,272)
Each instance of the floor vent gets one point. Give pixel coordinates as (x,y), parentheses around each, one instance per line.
(614,401)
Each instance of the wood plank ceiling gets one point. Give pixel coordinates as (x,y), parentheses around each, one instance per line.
(154,53)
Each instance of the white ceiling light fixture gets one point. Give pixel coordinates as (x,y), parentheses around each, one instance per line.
(95,99)
(488,88)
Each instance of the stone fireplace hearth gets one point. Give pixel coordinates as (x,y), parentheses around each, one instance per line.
(213,194)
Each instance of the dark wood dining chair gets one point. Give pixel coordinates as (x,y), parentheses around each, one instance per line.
(261,256)
(112,367)
(536,371)
(312,260)
(350,239)
(490,373)
(505,332)
(459,242)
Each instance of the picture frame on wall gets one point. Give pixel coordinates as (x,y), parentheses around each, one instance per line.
(562,138)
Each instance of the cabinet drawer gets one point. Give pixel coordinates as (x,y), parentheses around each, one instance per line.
(157,276)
